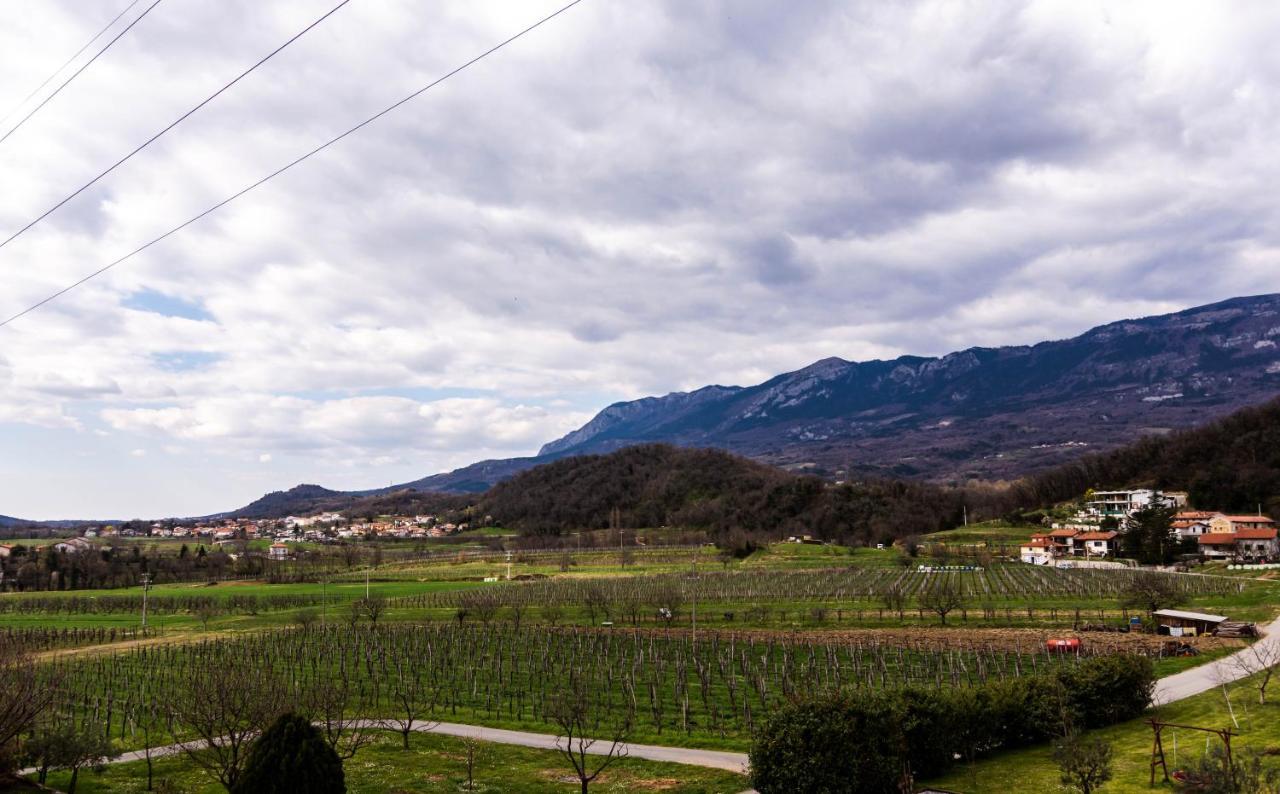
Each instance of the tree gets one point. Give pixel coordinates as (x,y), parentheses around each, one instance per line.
(832,744)
(473,750)
(24,697)
(1150,591)
(371,607)
(1085,764)
(328,703)
(306,618)
(224,707)
(1261,659)
(894,598)
(574,714)
(66,745)
(291,756)
(412,699)
(668,600)
(943,595)
(1149,537)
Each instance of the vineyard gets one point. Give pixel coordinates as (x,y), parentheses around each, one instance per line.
(45,639)
(716,688)
(995,586)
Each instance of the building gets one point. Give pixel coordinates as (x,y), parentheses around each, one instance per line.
(1037,551)
(1186,624)
(1222,523)
(1122,504)
(1218,545)
(278,551)
(1097,544)
(1063,540)
(1256,544)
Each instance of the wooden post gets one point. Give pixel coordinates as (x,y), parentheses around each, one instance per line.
(1157,753)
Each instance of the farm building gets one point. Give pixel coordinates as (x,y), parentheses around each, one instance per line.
(1177,623)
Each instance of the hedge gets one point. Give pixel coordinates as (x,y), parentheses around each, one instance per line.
(879,742)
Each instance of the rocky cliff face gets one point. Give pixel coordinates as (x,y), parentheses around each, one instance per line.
(983,412)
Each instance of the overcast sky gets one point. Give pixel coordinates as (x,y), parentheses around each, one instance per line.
(638,198)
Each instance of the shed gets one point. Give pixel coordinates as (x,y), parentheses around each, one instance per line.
(1177,623)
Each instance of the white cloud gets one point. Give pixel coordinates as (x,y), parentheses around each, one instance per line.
(634,199)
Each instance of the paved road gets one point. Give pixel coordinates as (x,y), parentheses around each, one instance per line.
(734,762)
(1207,676)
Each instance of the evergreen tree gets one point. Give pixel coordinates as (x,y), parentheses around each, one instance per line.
(291,757)
(1149,537)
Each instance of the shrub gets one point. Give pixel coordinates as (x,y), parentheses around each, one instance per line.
(834,744)
(1108,689)
(291,757)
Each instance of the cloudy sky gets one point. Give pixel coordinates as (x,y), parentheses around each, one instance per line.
(637,198)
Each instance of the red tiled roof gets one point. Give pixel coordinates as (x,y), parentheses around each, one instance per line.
(1035,544)
(1256,534)
(1097,535)
(1064,533)
(1249,519)
(1218,539)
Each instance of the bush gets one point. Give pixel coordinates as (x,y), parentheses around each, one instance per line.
(868,741)
(291,757)
(835,744)
(1108,689)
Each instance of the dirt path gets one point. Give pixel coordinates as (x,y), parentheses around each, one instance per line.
(178,637)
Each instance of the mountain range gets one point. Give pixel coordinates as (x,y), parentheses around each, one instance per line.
(982,413)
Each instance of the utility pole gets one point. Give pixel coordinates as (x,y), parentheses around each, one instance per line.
(146,585)
(508,565)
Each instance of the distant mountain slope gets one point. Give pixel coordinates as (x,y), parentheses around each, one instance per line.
(979,413)
(1231,464)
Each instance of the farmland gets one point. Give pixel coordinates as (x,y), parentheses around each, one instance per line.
(685,646)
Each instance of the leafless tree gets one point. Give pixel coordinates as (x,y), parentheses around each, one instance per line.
(225,706)
(1260,659)
(596,600)
(894,598)
(1149,591)
(413,699)
(483,605)
(333,706)
(668,600)
(553,613)
(944,595)
(516,613)
(23,698)
(572,712)
(473,749)
(372,608)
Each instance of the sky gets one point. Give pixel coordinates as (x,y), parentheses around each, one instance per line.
(634,199)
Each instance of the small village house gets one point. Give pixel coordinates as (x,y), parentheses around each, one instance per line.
(1218,545)
(1098,544)
(1177,623)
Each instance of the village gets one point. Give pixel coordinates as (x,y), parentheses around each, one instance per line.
(1094,532)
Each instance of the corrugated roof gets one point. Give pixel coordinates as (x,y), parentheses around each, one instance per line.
(1177,613)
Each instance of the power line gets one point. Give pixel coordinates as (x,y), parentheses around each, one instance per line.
(175,123)
(77,72)
(290,165)
(68,62)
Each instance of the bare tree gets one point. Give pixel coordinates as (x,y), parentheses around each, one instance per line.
(572,712)
(333,707)
(1260,659)
(944,595)
(1150,591)
(516,612)
(668,600)
(413,700)
(306,618)
(23,698)
(473,750)
(483,605)
(372,608)
(894,598)
(553,613)
(595,599)
(226,705)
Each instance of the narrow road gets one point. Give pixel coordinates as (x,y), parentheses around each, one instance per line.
(715,759)
(1207,676)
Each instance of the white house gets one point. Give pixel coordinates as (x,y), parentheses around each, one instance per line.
(1037,552)
(278,551)
(1097,544)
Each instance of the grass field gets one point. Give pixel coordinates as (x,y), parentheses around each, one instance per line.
(434,764)
(1033,769)
(990,533)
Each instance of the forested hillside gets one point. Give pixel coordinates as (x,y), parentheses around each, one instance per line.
(1231,464)
(660,485)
